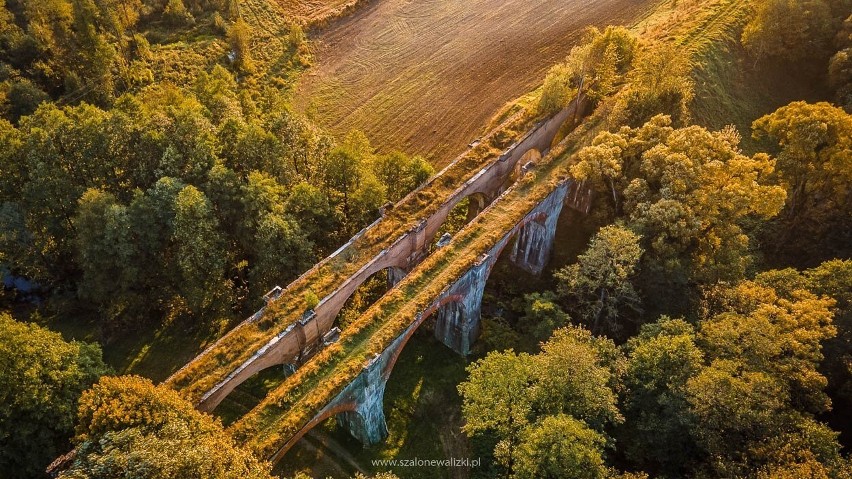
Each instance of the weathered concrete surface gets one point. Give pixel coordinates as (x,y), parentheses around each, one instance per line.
(302,337)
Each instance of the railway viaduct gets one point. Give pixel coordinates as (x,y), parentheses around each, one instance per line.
(359,405)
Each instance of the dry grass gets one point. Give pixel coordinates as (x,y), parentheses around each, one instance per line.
(317,12)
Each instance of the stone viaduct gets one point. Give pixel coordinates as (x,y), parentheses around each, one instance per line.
(304,336)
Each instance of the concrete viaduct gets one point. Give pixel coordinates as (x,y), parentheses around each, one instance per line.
(296,343)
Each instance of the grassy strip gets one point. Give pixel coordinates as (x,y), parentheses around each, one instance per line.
(285,410)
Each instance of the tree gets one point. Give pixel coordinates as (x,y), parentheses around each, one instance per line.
(127,427)
(315,215)
(239,38)
(815,142)
(657,433)
(106,252)
(542,315)
(659,83)
(200,252)
(592,68)
(41,379)
(400,174)
(176,13)
(281,253)
(687,192)
(559,447)
(788,30)
(840,67)
(761,389)
(496,399)
(599,282)
(834,279)
(574,375)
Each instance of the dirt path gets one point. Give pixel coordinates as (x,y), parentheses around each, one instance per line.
(426,76)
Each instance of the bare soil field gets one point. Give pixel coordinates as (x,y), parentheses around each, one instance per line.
(426,76)
(312,12)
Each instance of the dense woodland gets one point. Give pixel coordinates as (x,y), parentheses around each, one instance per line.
(704,329)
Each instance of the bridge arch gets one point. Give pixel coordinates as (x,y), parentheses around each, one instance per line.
(528,160)
(344,408)
(455,216)
(306,337)
(435,308)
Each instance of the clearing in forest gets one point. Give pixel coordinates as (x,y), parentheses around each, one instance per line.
(426,76)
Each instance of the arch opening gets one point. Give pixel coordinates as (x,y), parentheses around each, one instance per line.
(528,161)
(365,295)
(503,304)
(321,447)
(460,215)
(272,372)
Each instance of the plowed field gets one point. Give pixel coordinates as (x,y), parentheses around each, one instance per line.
(426,76)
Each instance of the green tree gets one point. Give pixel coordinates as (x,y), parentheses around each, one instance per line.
(657,433)
(592,68)
(127,427)
(315,215)
(496,399)
(282,253)
(687,192)
(200,253)
(399,173)
(41,379)
(793,31)
(840,67)
(106,252)
(542,315)
(659,83)
(574,375)
(176,14)
(815,142)
(559,447)
(599,283)
(239,38)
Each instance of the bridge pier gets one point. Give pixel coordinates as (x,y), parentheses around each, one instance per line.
(534,241)
(395,275)
(458,323)
(367,422)
(476,203)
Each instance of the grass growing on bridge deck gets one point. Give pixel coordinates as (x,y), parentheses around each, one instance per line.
(293,404)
